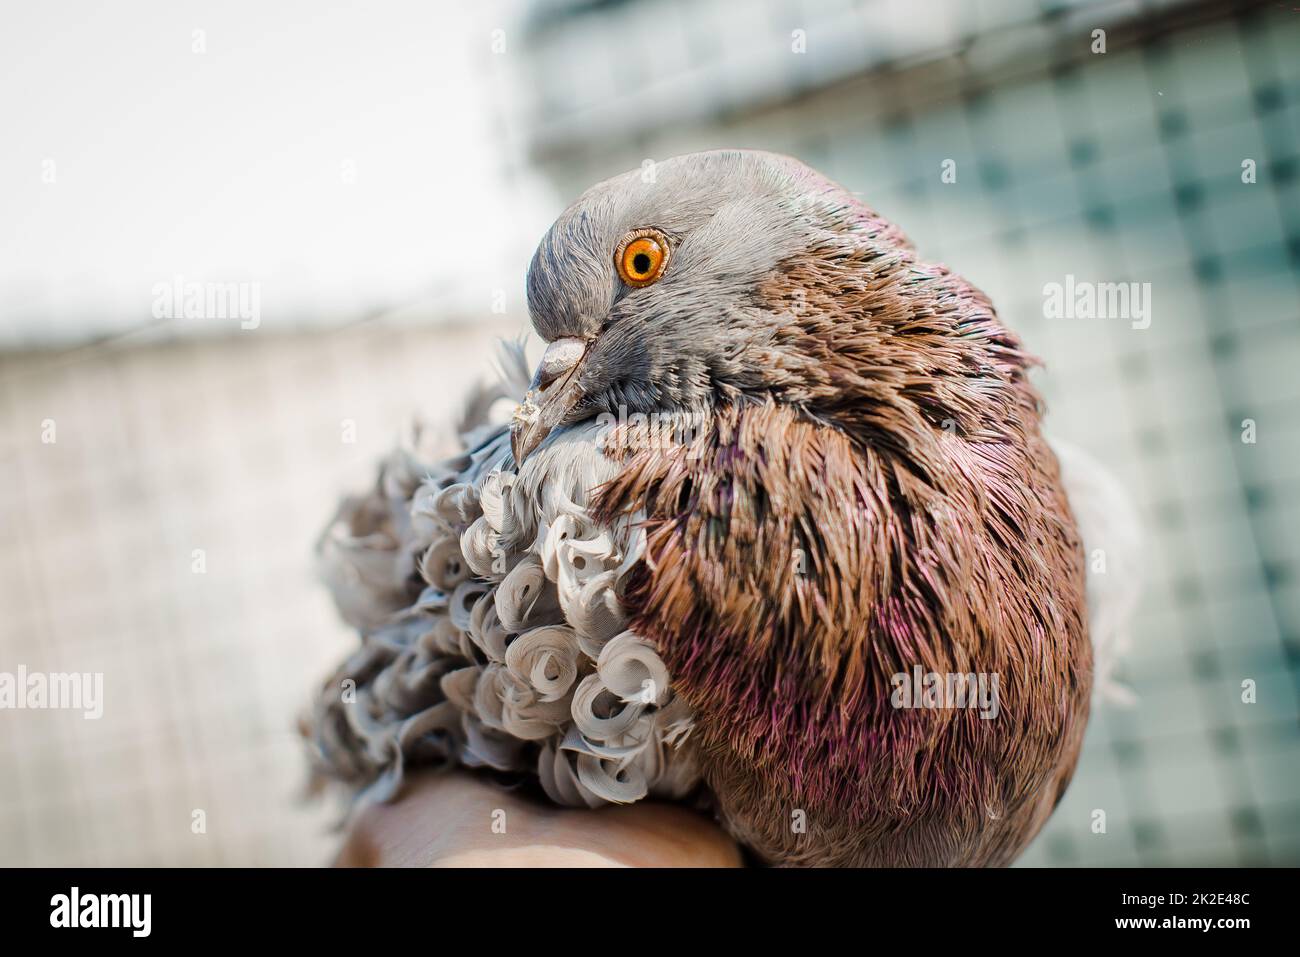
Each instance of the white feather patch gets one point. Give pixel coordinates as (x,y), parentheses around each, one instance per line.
(1113,544)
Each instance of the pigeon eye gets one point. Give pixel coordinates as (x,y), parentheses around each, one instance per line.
(642,257)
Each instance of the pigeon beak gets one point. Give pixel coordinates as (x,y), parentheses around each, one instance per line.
(553,393)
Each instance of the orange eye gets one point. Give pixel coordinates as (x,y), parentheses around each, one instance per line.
(642,257)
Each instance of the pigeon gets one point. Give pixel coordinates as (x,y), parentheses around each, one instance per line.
(773,530)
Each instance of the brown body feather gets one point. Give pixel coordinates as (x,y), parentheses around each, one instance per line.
(894,505)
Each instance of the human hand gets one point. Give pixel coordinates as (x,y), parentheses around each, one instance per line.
(445,819)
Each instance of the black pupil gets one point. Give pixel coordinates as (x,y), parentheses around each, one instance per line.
(640,263)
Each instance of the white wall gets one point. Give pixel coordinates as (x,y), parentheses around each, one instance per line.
(229,165)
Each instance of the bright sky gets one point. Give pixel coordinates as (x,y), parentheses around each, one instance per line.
(233,165)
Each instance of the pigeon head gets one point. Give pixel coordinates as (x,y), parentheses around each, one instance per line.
(648,288)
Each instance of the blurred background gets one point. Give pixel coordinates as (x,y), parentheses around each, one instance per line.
(370,181)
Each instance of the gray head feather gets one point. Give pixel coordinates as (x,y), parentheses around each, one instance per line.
(730,216)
